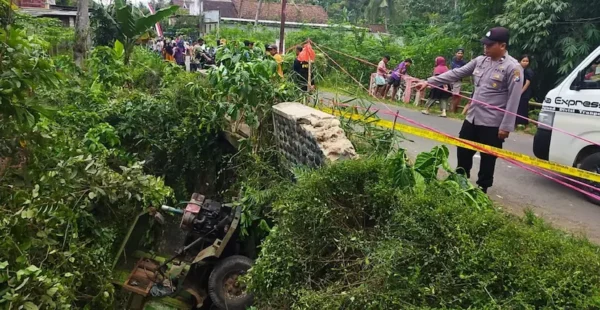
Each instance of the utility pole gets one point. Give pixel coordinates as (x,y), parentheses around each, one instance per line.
(282,27)
(260,2)
(202,21)
(82,32)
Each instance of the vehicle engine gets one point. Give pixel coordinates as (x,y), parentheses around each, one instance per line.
(205,218)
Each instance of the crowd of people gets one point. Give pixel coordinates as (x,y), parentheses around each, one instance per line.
(501,87)
(199,56)
(177,50)
(500,81)
(448,95)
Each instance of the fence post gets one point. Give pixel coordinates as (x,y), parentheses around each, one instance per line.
(372,86)
(407,89)
(418,98)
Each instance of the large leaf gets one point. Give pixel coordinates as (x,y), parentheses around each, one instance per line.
(402,173)
(120,3)
(118,48)
(126,21)
(428,163)
(146,22)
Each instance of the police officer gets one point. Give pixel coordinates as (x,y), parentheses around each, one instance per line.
(497,78)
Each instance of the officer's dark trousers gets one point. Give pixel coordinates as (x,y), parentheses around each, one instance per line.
(484,135)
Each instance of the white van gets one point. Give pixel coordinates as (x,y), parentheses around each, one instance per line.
(574,107)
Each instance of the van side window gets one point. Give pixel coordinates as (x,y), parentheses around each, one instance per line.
(591,79)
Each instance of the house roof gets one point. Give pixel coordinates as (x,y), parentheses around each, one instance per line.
(246,9)
(37,12)
(290,24)
(300,13)
(225,7)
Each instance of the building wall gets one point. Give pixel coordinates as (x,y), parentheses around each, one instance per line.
(309,137)
(32,3)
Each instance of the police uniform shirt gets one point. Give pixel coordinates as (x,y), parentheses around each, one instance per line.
(498,83)
(301,68)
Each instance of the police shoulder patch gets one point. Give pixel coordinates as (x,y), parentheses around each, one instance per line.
(516,75)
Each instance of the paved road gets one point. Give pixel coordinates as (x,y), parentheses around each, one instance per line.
(514,188)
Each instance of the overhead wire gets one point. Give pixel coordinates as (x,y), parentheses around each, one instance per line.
(513,114)
(514,162)
(341,68)
(479,148)
(350,56)
(553,175)
(294,46)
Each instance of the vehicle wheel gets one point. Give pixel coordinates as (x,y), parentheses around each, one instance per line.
(224,289)
(592,164)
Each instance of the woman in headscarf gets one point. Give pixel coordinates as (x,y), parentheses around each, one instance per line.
(179,55)
(437,94)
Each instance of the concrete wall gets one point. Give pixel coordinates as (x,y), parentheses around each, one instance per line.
(309,137)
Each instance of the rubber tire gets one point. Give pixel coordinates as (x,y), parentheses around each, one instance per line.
(217,277)
(589,164)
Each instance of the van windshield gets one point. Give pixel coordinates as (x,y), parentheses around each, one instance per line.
(592,72)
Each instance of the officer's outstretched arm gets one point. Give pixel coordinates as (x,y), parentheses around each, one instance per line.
(454,75)
(515,86)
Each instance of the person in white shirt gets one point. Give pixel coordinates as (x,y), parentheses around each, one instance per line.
(158,46)
(382,75)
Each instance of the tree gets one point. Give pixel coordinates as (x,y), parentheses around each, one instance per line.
(82,29)
(131,25)
(557,34)
(475,17)
(103,24)
(260,2)
(25,68)
(377,9)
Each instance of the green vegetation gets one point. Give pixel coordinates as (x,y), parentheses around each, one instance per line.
(557,34)
(68,190)
(83,151)
(383,233)
(357,43)
(131,25)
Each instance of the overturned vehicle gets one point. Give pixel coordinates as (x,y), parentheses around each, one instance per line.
(191,261)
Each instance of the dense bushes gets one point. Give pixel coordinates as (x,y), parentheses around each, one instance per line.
(379,234)
(82,153)
(159,113)
(359,43)
(62,209)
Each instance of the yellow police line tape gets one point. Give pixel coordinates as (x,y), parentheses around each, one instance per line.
(424,133)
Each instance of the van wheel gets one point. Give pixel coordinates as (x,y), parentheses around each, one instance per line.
(592,164)
(225,291)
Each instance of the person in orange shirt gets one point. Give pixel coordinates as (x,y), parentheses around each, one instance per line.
(169,51)
(272,49)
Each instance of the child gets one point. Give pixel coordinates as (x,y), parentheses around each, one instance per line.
(395,79)
(382,75)
(437,94)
